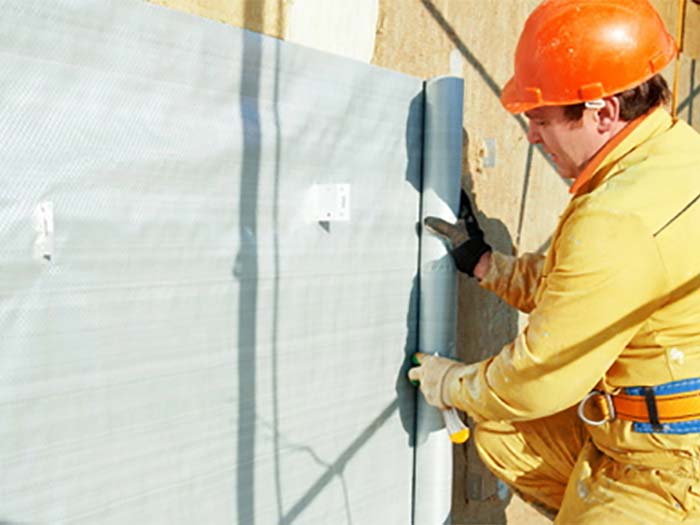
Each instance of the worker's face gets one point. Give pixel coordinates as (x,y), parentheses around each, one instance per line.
(570,144)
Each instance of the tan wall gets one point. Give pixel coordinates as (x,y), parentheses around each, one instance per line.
(262,16)
(518,198)
(342,28)
(691,42)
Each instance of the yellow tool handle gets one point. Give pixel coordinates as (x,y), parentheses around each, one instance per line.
(458,431)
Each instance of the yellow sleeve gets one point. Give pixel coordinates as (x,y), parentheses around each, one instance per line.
(607,279)
(515,279)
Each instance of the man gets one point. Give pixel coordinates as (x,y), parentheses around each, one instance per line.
(593,412)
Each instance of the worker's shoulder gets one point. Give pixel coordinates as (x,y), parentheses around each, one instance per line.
(655,182)
(604,222)
(616,205)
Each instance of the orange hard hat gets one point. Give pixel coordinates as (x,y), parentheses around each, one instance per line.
(573,51)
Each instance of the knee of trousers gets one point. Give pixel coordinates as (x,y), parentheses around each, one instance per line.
(544,448)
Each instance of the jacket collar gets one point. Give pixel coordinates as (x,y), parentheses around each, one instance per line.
(637,132)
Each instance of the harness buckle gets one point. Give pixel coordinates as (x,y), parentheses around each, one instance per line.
(607,408)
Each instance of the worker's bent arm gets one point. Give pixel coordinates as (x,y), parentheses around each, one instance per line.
(515,279)
(606,281)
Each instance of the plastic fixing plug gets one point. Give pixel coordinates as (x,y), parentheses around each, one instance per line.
(44,227)
(456,429)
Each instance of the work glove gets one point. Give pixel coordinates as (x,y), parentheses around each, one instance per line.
(430,375)
(465,236)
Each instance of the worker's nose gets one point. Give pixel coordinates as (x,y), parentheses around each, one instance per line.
(533,136)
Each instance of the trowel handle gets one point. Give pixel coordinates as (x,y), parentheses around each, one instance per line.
(458,431)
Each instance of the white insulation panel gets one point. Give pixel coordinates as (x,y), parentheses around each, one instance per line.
(185,344)
(183,341)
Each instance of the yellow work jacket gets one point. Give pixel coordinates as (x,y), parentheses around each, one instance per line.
(616,300)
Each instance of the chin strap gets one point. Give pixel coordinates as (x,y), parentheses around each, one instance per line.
(680,33)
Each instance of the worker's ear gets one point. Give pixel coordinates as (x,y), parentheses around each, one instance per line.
(608,116)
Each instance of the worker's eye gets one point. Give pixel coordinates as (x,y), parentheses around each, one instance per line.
(541,122)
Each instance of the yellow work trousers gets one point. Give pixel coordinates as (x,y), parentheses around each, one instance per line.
(553,464)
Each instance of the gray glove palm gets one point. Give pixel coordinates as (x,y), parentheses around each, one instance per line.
(465,236)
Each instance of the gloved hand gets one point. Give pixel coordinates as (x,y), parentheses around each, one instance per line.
(430,374)
(465,236)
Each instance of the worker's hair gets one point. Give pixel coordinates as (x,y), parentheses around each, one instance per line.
(634,102)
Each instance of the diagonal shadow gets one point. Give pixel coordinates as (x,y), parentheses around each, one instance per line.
(336,468)
(296,447)
(545,245)
(523,198)
(468,55)
(694,92)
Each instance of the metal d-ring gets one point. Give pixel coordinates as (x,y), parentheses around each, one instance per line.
(584,401)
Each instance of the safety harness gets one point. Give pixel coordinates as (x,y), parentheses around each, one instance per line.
(671,408)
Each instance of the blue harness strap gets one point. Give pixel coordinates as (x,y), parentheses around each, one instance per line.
(674,387)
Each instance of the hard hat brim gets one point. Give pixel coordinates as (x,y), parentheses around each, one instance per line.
(512,99)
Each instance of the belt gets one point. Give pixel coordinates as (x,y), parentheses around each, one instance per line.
(671,408)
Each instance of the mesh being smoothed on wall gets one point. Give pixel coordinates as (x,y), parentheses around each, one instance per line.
(183,338)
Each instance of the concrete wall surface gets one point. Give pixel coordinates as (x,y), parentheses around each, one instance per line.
(516,193)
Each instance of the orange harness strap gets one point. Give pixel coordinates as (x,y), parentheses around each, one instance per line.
(670,408)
